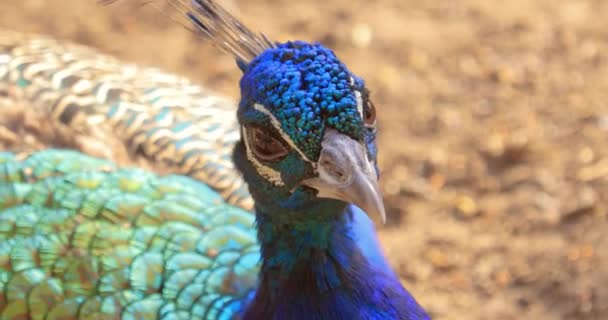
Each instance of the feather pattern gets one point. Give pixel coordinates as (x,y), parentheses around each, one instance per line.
(81,237)
(157,115)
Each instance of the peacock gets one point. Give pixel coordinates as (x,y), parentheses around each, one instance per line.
(266,215)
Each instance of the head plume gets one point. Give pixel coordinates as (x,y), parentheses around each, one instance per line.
(207,17)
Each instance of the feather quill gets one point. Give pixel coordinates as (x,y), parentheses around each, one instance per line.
(207,17)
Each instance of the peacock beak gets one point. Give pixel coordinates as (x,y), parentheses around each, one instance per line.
(346,174)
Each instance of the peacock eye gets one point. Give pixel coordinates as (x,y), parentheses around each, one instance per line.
(369,113)
(266,145)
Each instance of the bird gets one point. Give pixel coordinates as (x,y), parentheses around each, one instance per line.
(284,230)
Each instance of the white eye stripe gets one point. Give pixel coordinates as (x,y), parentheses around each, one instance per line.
(359,98)
(265,171)
(277,125)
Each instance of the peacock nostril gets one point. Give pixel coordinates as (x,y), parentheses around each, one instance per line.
(334,166)
(337,172)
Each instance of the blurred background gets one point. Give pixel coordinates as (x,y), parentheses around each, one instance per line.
(494,131)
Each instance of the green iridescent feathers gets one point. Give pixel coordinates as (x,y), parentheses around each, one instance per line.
(82,239)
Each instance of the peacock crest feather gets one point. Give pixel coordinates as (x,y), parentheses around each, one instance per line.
(208,18)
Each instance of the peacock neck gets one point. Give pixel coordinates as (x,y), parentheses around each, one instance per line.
(316,264)
(315,240)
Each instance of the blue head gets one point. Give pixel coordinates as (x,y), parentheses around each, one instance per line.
(308,127)
(308,130)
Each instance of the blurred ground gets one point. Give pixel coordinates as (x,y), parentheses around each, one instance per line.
(494,143)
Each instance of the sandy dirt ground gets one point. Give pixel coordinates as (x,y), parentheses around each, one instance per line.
(494,131)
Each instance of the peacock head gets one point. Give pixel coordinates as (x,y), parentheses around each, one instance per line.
(308,126)
(308,129)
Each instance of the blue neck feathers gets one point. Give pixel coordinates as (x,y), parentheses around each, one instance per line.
(323,262)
